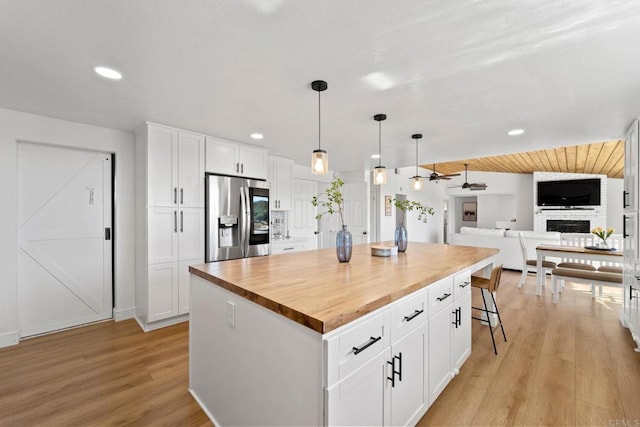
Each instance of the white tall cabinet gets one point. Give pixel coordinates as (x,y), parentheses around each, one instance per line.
(280,183)
(630,316)
(169,221)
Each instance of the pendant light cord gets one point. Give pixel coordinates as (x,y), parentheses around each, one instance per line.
(416,157)
(319,121)
(379,143)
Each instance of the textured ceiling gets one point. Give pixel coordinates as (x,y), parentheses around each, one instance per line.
(462,73)
(605,158)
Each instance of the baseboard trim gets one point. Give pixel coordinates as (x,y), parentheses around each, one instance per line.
(204,408)
(124,314)
(9,338)
(147,327)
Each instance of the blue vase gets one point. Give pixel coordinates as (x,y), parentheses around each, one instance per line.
(344,243)
(400,237)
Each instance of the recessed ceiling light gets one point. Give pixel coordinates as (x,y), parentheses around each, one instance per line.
(375,156)
(108,73)
(257,136)
(514,132)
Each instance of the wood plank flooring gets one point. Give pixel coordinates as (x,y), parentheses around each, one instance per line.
(565,364)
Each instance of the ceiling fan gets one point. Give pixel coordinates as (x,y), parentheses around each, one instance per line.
(473,186)
(437,177)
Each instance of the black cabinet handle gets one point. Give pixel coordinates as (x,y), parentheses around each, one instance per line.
(237,167)
(443,297)
(241,167)
(455,318)
(182,196)
(624,226)
(175,195)
(459,310)
(414,315)
(371,342)
(392,378)
(393,371)
(182,221)
(624,199)
(465,284)
(175,221)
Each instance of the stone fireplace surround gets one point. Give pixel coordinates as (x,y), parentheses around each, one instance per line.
(596,215)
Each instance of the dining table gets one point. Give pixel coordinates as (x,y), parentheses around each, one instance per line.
(582,253)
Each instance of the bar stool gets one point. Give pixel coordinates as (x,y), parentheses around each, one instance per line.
(490,285)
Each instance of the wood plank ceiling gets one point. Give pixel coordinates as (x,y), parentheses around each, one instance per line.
(603,158)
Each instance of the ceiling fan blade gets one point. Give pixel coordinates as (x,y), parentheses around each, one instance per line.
(449,175)
(444,177)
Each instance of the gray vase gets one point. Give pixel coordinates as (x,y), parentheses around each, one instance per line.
(344,244)
(400,237)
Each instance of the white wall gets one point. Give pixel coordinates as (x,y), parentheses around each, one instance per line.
(16,126)
(432,195)
(614,203)
(496,207)
(516,190)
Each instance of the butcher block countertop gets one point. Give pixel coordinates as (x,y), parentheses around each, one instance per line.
(314,289)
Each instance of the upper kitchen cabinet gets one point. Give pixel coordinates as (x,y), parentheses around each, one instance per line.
(631,159)
(175,166)
(280,183)
(231,158)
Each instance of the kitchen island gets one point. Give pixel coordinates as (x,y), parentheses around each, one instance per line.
(301,339)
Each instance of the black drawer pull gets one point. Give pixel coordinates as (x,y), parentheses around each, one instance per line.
(465,284)
(443,297)
(371,342)
(414,315)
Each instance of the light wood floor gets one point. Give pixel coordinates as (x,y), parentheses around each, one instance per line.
(565,364)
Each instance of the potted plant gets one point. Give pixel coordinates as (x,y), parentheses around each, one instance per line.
(400,235)
(333,201)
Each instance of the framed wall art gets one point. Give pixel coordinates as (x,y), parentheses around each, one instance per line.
(469,211)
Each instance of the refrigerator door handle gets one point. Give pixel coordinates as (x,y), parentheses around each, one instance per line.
(244,243)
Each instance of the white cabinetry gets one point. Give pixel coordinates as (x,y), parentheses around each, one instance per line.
(461,323)
(440,321)
(289,246)
(631,152)
(630,315)
(280,183)
(231,158)
(169,219)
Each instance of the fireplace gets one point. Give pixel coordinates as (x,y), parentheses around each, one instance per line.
(568,226)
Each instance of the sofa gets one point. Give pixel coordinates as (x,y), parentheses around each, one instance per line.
(506,241)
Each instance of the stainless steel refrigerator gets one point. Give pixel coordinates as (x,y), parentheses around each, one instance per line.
(236,218)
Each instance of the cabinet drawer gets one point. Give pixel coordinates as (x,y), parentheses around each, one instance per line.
(461,284)
(440,295)
(286,247)
(407,314)
(350,349)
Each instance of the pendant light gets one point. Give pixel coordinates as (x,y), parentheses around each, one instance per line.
(319,157)
(380,172)
(416,180)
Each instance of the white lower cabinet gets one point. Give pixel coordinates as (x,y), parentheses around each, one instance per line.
(409,387)
(461,322)
(359,399)
(169,289)
(439,352)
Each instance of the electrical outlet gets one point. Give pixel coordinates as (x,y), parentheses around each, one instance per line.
(231,314)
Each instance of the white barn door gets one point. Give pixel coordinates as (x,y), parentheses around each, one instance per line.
(64,248)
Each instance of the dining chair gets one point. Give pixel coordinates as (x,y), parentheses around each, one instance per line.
(579,240)
(531,264)
(490,285)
